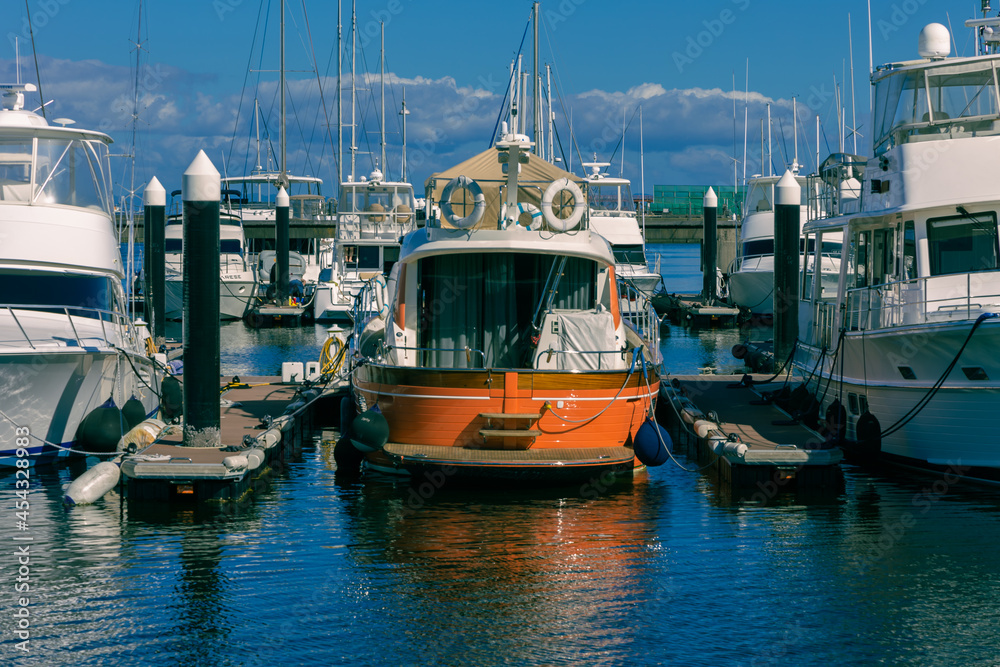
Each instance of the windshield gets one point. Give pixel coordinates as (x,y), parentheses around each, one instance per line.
(610,197)
(933,101)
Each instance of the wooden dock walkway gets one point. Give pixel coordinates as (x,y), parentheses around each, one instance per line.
(749,445)
(262,421)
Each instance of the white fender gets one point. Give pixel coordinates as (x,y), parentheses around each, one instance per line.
(475,191)
(550,194)
(533,211)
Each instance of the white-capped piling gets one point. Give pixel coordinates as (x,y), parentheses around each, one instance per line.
(710,246)
(154,218)
(281,246)
(787,198)
(201,189)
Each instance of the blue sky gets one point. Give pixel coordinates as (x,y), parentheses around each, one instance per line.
(675,59)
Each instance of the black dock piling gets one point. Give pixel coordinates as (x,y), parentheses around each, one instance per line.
(787,209)
(710,247)
(201,188)
(281,246)
(154,208)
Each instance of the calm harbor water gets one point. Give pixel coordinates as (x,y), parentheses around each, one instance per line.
(666,568)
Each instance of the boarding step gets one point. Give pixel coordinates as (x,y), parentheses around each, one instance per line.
(509,415)
(500,433)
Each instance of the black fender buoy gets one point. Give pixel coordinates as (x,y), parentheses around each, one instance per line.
(171,398)
(652,444)
(739,350)
(134,412)
(101,429)
(869,434)
(369,431)
(348,457)
(836,421)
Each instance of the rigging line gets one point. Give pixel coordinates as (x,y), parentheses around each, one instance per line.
(503,104)
(622,138)
(34,51)
(239,108)
(310,49)
(371,96)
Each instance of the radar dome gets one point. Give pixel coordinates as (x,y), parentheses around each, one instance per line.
(934,42)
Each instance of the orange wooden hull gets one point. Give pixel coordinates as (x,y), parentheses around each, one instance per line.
(446,408)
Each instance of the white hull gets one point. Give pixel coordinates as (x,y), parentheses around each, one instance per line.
(235,296)
(50,393)
(753,289)
(328,306)
(959,427)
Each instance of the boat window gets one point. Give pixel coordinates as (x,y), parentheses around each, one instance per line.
(82,295)
(629,254)
(808,268)
(390,255)
(962,244)
(860,251)
(831,245)
(71,173)
(172,245)
(931,100)
(489,301)
(758,248)
(610,197)
(909,251)
(15,170)
(760,197)
(368,258)
(231,246)
(883,253)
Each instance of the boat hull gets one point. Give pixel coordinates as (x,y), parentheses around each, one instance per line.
(235,297)
(48,394)
(575,418)
(753,290)
(957,429)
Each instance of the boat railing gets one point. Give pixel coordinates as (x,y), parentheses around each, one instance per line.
(117,322)
(640,317)
(375,224)
(825,323)
(567,364)
(922,300)
(472,355)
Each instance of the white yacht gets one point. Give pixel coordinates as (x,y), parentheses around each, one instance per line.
(68,352)
(373,215)
(238,281)
(750,276)
(613,216)
(906,347)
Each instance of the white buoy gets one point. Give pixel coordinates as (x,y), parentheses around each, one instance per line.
(236,462)
(93,484)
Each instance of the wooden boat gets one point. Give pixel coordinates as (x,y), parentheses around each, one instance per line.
(498,350)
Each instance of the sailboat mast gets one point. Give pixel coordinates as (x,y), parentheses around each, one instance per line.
(284,165)
(642,178)
(404,113)
(354,40)
(536,98)
(340,89)
(854,109)
(548,91)
(382,78)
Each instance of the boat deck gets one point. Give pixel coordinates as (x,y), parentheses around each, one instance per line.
(552,464)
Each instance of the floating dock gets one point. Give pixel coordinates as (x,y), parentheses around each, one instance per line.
(750,446)
(690,310)
(271,314)
(252,443)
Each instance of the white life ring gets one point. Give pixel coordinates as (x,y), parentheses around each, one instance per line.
(533,211)
(379,287)
(477,196)
(555,188)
